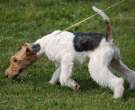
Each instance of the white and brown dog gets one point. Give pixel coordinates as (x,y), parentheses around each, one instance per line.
(68,49)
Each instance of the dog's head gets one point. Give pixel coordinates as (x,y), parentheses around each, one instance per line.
(22,59)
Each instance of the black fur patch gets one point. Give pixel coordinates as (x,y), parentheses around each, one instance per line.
(86,41)
(35,48)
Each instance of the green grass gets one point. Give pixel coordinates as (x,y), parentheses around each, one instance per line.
(27,20)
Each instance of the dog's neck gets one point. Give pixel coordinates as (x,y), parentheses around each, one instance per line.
(44,41)
(40,53)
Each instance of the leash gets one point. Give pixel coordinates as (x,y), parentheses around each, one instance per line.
(89,17)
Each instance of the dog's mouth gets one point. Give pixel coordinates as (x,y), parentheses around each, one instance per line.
(18,74)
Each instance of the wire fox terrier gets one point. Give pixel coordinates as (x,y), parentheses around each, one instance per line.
(68,49)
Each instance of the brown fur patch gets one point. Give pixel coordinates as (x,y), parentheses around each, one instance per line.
(21,60)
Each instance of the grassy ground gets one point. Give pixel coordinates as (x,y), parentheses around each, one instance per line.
(27,20)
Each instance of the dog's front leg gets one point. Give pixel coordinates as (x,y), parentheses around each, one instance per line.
(66,73)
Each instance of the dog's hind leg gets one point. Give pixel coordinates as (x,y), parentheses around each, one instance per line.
(104,77)
(67,64)
(124,71)
(100,72)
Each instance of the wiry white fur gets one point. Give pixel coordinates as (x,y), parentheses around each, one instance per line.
(59,48)
(101,13)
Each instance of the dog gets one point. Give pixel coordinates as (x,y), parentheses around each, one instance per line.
(68,49)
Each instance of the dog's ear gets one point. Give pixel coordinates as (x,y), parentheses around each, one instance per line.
(26,44)
(35,48)
(28,51)
(31,49)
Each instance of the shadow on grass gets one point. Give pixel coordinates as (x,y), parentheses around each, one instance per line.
(87,84)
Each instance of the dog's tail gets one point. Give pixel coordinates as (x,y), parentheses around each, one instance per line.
(107,21)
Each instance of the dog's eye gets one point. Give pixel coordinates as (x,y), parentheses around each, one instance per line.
(14,59)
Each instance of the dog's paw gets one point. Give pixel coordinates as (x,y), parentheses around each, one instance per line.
(76,87)
(118,93)
(52,82)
